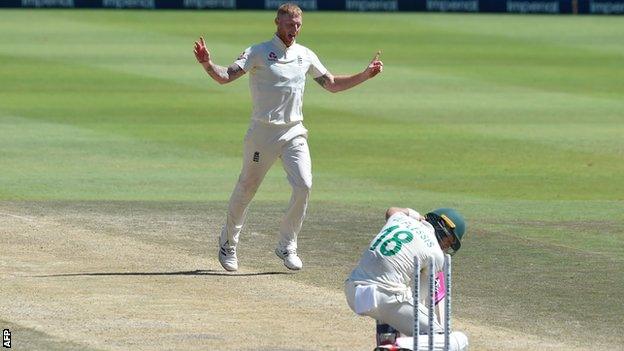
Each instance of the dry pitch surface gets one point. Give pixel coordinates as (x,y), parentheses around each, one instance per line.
(109,276)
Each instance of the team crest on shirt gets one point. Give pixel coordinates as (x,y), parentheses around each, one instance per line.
(272,56)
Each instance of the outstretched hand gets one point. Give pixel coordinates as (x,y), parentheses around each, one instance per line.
(375,66)
(201,53)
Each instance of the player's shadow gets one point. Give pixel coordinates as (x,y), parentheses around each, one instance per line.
(195,272)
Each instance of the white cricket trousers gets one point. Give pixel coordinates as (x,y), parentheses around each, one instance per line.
(398,311)
(263,144)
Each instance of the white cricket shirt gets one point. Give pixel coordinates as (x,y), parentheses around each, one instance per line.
(390,265)
(277,79)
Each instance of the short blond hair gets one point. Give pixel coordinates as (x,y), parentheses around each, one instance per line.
(290,9)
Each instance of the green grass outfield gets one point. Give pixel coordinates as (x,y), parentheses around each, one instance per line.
(518,121)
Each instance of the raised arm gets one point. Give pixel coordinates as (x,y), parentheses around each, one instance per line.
(220,74)
(343,82)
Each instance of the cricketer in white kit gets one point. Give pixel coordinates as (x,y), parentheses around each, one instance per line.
(380,286)
(277,71)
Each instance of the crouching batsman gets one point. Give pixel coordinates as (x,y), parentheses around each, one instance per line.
(380,286)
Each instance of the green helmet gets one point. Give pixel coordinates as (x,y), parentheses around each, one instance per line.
(449,221)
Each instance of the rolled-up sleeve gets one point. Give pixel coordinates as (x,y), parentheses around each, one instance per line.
(245,59)
(316,68)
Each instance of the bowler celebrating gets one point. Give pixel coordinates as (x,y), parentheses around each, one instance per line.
(277,71)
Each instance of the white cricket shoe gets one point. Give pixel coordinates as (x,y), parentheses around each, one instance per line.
(227,258)
(291,260)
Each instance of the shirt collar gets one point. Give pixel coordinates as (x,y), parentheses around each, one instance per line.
(280,44)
